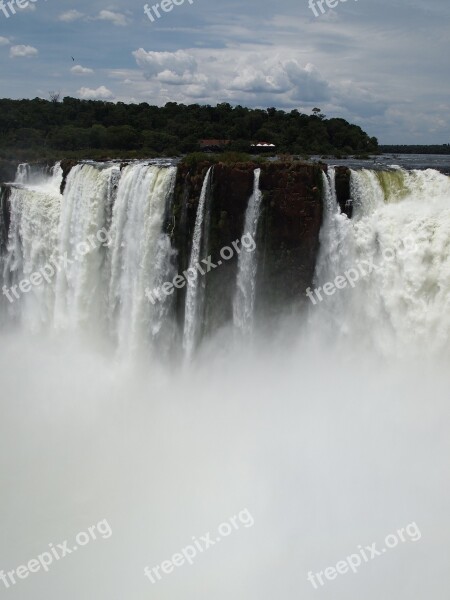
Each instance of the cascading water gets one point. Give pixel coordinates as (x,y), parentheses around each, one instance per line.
(23,173)
(398,234)
(335,244)
(37,174)
(32,242)
(398,246)
(244,300)
(79,289)
(102,245)
(140,254)
(194,295)
(334,223)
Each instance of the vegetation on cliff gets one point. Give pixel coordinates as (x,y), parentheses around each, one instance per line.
(42,129)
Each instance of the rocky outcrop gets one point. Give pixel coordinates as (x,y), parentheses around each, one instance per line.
(66,166)
(4,216)
(288,233)
(8,170)
(343,190)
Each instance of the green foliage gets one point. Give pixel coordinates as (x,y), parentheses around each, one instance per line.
(90,128)
(234,157)
(196,158)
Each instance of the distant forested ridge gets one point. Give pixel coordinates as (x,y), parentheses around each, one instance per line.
(407,149)
(39,129)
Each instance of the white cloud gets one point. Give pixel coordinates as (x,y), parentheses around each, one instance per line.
(255,78)
(153,63)
(70,15)
(309,85)
(4,41)
(22,51)
(115,17)
(171,78)
(274,76)
(79,70)
(101,93)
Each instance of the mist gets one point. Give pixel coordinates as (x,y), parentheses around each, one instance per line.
(326,454)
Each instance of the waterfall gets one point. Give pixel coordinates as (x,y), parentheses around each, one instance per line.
(244,300)
(22,173)
(334,234)
(56,177)
(397,248)
(96,253)
(34,213)
(100,246)
(79,290)
(31,246)
(140,254)
(194,296)
(38,174)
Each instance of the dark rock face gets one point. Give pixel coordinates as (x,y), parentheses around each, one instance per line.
(227,200)
(287,238)
(343,190)
(291,222)
(8,170)
(4,216)
(66,166)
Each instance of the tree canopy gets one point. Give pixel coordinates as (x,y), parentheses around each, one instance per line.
(41,128)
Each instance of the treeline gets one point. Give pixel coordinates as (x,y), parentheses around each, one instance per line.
(407,149)
(33,129)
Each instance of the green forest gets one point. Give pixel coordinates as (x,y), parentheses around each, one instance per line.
(73,128)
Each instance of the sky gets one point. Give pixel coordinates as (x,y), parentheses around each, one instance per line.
(382,64)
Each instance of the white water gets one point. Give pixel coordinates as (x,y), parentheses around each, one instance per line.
(401,223)
(397,309)
(333,234)
(32,243)
(327,450)
(98,283)
(244,300)
(23,173)
(39,175)
(194,296)
(79,286)
(140,254)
